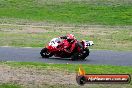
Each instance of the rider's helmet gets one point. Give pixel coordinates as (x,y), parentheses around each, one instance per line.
(70,38)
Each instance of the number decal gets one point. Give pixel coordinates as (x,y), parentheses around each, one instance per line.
(87,44)
(53,43)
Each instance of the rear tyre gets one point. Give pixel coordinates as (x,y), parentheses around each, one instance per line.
(45,54)
(74,57)
(85,53)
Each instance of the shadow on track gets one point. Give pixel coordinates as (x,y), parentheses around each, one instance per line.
(65,59)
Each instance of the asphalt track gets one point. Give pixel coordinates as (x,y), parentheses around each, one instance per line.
(104,57)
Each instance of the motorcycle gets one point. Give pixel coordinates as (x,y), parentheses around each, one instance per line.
(56,47)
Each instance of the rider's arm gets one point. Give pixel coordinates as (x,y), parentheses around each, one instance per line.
(78,44)
(63,37)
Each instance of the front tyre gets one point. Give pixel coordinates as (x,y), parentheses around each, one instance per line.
(44,53)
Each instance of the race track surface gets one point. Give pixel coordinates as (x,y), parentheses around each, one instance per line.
(96,56)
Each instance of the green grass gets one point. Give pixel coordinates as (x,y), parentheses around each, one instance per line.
(9,86)
(90,69)
(67,12)
(28,36)
(106,12)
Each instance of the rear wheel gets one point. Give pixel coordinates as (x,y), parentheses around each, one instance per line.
(85,53)
(45,54)
(74,56)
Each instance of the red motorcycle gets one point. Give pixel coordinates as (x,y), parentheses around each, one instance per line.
(57,47)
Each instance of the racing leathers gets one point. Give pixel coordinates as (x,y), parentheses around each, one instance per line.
(71,45)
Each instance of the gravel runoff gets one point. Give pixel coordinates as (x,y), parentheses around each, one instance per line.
(35,78)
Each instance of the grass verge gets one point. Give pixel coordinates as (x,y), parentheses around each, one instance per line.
(4,85)
(109,38)
(106,12)
(90,69)
(41,75)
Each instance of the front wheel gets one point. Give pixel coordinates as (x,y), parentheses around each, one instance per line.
(44,53)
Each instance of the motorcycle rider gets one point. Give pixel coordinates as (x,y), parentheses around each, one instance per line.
(71,43)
